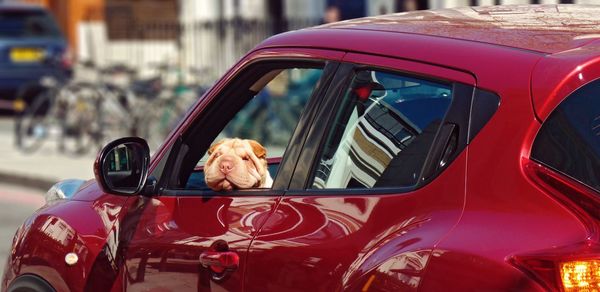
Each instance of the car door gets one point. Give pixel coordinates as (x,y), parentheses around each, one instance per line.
(380,180)
(188,237)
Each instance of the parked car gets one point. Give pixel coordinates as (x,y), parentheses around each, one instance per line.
(31,47)
(447,150)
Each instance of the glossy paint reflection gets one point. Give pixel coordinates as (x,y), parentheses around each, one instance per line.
(62,227)
(298,222)
(399,273)
(392,236)
(172,233)
(325,234)
(54,236)
(340,242)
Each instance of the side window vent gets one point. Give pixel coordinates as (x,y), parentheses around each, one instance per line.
(483,107)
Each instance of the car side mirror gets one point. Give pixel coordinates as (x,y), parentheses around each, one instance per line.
(122,166)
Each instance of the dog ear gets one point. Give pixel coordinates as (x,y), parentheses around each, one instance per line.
(258,149)
(214,146)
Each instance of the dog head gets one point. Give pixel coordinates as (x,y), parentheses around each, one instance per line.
(237,164)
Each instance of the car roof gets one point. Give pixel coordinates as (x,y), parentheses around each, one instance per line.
(555,47)
(540,28)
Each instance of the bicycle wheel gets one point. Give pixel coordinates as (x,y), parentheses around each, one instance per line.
(78,116)
(32,127)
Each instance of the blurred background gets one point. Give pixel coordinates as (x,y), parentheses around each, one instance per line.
(75,74)
(208,34)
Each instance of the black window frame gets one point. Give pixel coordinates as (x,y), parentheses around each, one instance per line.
(169,177)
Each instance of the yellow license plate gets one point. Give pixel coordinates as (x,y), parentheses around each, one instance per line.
(21,55)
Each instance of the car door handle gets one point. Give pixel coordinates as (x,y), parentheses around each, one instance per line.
(220,261)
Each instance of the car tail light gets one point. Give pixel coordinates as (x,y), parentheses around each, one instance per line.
(582,200)
(575,267)
(570,268)
(580,275)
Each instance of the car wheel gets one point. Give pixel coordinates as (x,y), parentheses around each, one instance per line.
(30,283)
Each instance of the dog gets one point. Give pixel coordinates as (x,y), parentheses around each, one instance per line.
(237,164)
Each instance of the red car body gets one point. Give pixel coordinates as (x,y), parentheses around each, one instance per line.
(494,219)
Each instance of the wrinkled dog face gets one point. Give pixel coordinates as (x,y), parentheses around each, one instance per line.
(237,164)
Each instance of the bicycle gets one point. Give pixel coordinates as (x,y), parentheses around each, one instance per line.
(162,114)
(115,101)
(120,96)
(65,112)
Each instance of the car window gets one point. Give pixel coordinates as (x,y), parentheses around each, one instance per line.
(270,117)
(569,140)
(27,23)
(382,132)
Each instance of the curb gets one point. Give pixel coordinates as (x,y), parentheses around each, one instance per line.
(42,184)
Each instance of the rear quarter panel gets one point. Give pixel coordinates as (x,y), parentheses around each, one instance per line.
(505,214)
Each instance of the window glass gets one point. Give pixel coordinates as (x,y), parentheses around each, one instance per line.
(569,140)
(269,118)
(27,23)
(382,132)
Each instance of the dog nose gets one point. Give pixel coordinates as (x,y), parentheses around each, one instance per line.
(226,165)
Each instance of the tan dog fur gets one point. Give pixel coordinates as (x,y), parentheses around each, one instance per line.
(237,164)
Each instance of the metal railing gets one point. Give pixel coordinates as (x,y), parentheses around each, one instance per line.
(211,46)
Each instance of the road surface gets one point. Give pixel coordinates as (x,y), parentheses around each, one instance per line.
(16,204)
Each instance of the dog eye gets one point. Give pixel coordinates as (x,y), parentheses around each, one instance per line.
(245,158)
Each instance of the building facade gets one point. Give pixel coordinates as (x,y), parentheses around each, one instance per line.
(208,35)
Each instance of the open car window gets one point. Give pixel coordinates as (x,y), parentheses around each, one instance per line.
(276,101)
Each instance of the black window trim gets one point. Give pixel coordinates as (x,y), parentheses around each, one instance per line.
(315,136)
(590,188)
(484,105)
(208,193)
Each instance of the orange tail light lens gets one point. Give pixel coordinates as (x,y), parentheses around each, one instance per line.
(580,275)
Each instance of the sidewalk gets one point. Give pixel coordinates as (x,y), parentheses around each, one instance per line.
(42,168)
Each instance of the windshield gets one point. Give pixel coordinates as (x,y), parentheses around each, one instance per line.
(27,23)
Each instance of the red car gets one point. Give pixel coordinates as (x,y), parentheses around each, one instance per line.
(433,150)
